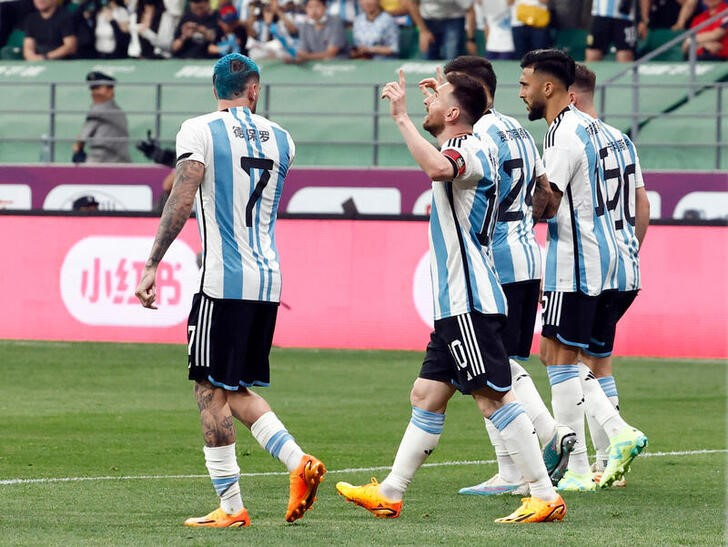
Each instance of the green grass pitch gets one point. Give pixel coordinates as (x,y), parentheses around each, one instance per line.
(100,444)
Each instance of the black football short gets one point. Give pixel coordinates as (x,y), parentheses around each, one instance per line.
(607,31)
(229,341)
(522,307)
(602,343)
(467,351)
(576,319)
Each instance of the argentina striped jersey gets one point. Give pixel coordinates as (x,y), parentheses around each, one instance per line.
(610,8)
(246,160)
(461,229)
(582,249)
(516,252)
(622,182)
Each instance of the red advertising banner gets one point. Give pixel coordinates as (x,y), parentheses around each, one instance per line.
(346,284)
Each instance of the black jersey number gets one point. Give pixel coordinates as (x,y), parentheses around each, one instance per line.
(622,189)
(509,166)
(248,163)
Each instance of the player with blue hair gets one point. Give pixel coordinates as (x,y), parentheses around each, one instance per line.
(232,164)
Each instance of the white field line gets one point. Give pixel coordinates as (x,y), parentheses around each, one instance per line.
(9,482)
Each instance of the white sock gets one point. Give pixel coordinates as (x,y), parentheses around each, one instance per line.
(598,404)
(272,435)
(224,471)
(567,401)
(600,441)
(506,466)
(520,439)
(419,440)
(530,398)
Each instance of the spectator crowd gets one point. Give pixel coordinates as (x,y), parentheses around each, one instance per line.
(297,31)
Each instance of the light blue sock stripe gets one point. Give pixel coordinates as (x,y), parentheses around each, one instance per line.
(506,414)
(223,483)
(273,446)
(431,422)
(562,373)
(609,386)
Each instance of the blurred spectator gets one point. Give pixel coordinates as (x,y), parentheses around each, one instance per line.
(322,36)
(168,21)
(85,204)
(108,22)
(530,22)
(568,13)
(232,36)
(619,24)
(712,41)
(105,131)
(49,33)
(496,24)
(671,14)
(346,10)
(273,34)
(399,9)
(197,30)
(375,34)
(144,20)
(442,26)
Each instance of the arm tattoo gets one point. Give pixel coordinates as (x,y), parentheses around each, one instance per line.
(188,178)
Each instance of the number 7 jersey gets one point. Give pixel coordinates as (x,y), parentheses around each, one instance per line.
(246,160)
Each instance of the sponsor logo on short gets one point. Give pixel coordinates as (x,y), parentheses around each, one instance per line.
(100,273)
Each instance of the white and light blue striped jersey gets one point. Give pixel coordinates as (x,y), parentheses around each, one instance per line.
(246,160)
(461,229)
(582,248)
(515,250)
(610,8)
(622,184)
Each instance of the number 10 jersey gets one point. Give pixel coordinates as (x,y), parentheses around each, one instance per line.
(246,160)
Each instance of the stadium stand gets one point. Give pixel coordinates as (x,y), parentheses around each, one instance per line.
(332,109)
(13,48)
(693,122)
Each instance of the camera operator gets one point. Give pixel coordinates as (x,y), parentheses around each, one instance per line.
(163,156)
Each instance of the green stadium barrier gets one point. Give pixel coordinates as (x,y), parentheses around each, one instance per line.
(331,120)
(695,121)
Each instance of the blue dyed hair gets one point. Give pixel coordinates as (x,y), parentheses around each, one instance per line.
(232,74)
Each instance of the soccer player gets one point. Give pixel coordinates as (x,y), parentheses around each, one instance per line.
(615,22)
(581,263)
(465,350)
(232,163)
(524,194)
(631,211)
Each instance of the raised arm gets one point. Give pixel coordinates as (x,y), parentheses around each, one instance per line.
(429,158)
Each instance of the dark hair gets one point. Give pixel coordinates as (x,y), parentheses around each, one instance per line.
(479,68)
(584,78)
(551,61)
(469,94)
